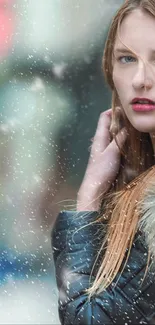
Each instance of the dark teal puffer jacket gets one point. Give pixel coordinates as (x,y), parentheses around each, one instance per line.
(75,242)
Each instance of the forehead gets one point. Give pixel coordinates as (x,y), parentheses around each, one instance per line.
(137,31)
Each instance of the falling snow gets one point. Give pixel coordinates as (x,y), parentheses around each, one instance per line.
(51,95)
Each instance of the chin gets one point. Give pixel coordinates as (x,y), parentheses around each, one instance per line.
(145,130)
(144,127)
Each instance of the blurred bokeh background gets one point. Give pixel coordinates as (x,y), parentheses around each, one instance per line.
(52,92)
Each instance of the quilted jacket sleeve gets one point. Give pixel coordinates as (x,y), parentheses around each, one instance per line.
(76,241)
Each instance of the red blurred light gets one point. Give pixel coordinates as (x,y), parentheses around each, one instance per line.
(7,24)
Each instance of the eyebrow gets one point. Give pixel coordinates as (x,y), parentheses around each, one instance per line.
(122,50)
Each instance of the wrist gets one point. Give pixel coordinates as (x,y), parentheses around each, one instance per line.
(87,203)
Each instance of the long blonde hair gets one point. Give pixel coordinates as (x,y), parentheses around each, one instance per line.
(119,205)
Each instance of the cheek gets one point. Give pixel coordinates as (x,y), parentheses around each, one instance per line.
(117,78)
(122,79)
(121,89)
(118,83)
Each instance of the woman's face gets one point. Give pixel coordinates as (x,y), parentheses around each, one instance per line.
(134,72)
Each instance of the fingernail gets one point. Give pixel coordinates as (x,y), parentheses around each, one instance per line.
(108,112)
(124,130)
(118,109)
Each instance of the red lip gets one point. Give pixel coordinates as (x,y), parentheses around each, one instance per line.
(137,99)
(142,107)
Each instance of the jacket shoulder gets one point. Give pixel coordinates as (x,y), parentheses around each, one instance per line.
(76,239)
(76,228)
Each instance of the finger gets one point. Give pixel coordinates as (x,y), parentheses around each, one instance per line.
(102,136)
(115,124)
(120,117)
(120,139)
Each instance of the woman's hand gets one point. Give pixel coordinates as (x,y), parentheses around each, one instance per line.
(103,164)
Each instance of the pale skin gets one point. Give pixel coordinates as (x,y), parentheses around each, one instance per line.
(133,76)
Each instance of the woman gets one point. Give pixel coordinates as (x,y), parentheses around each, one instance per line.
(104,252)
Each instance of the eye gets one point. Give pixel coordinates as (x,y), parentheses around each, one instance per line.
(126,59)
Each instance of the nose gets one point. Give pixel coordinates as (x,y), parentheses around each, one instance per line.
(143,78)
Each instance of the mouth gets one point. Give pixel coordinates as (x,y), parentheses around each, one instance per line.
(142,104)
